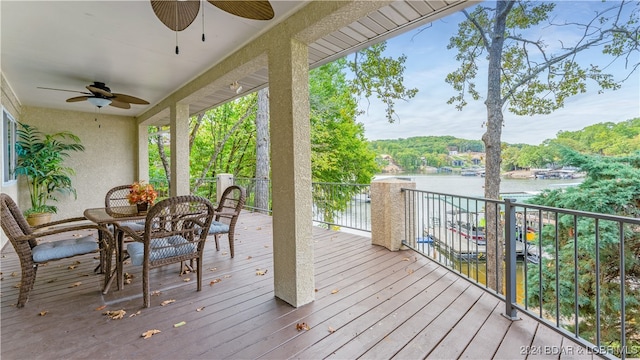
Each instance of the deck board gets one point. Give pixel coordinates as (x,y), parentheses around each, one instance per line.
(369,303)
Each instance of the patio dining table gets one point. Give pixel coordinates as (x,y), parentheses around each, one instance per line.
(114,216)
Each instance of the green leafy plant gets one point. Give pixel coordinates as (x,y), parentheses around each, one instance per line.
(41,160)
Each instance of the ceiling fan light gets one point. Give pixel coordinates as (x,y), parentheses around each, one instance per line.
(98,101)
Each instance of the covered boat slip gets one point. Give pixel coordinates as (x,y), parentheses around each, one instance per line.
(369,303)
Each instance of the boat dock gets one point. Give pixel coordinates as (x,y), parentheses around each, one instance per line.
(462,248)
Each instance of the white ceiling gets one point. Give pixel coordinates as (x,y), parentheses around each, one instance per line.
(70,44)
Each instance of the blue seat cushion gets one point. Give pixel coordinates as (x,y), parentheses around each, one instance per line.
(218,228)
(64,248)
(161,248)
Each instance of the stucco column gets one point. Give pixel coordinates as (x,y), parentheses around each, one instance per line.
(223,181)
(388,212)
(179,117)
(143,153)
(291,168)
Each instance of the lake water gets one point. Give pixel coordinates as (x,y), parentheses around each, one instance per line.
(474,185)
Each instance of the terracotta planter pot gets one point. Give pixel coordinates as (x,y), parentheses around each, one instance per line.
(38,218)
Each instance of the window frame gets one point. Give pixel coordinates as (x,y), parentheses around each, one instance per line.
(9,156)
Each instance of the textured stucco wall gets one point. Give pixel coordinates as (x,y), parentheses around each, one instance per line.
(9,102)
(109,159)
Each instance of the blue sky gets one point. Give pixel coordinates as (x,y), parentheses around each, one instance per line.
(428,62)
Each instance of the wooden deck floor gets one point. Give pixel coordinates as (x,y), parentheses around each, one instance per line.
(370,303)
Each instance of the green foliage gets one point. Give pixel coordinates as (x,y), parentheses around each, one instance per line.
(41,160)
(339,152)
(608,138)
(380,75)
(612,186)
(605,138)
(433,151)
(339,148)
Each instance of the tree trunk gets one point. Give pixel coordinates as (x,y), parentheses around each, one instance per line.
(262,151)
(163,157)
(492,140)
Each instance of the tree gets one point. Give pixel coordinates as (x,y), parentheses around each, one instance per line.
(380,75)
(612,186)
(524,75)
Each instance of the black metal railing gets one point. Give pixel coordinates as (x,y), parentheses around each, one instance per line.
(254,188)
(577,272)
(342,205)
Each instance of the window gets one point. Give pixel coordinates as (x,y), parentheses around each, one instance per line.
(9,145)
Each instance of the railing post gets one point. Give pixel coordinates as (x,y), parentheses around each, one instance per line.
(510,258)
(388,212)
(223,181)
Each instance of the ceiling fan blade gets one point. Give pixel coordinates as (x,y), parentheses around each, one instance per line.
(120,104)
(75,91)
(255,10)
(176,15)
(128,99)
(97,90)
(77,98)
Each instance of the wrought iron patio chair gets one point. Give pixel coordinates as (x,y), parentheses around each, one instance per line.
(227,213)
(33,252)
(173,233)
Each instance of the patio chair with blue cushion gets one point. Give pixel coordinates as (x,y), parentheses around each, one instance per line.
(115,200)
(227,213)
(172,234)
(32,251)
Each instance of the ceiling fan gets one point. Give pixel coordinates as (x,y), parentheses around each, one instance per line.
(178,15)
(100,95)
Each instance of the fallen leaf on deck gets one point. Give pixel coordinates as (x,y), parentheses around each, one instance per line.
(249,257)
(331,330)
(76,284)
(224,253)
(155,293)
(71,267)
(227,276)
(17,285)
(259,228)
(101,307)
(136,314)
(14,274)
(406,259)
(43,313)
(149,333)
(167,302)
(334,291)
(302,326)
(200,309)
(186,279)
(214,281)
(261,272)
(115,314)
(77,262)
(213,269)
(410,271)
(179,324)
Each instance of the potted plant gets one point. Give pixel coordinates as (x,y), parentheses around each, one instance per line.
(142,195)
(40,159)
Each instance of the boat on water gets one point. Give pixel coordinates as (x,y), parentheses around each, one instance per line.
(468,231)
